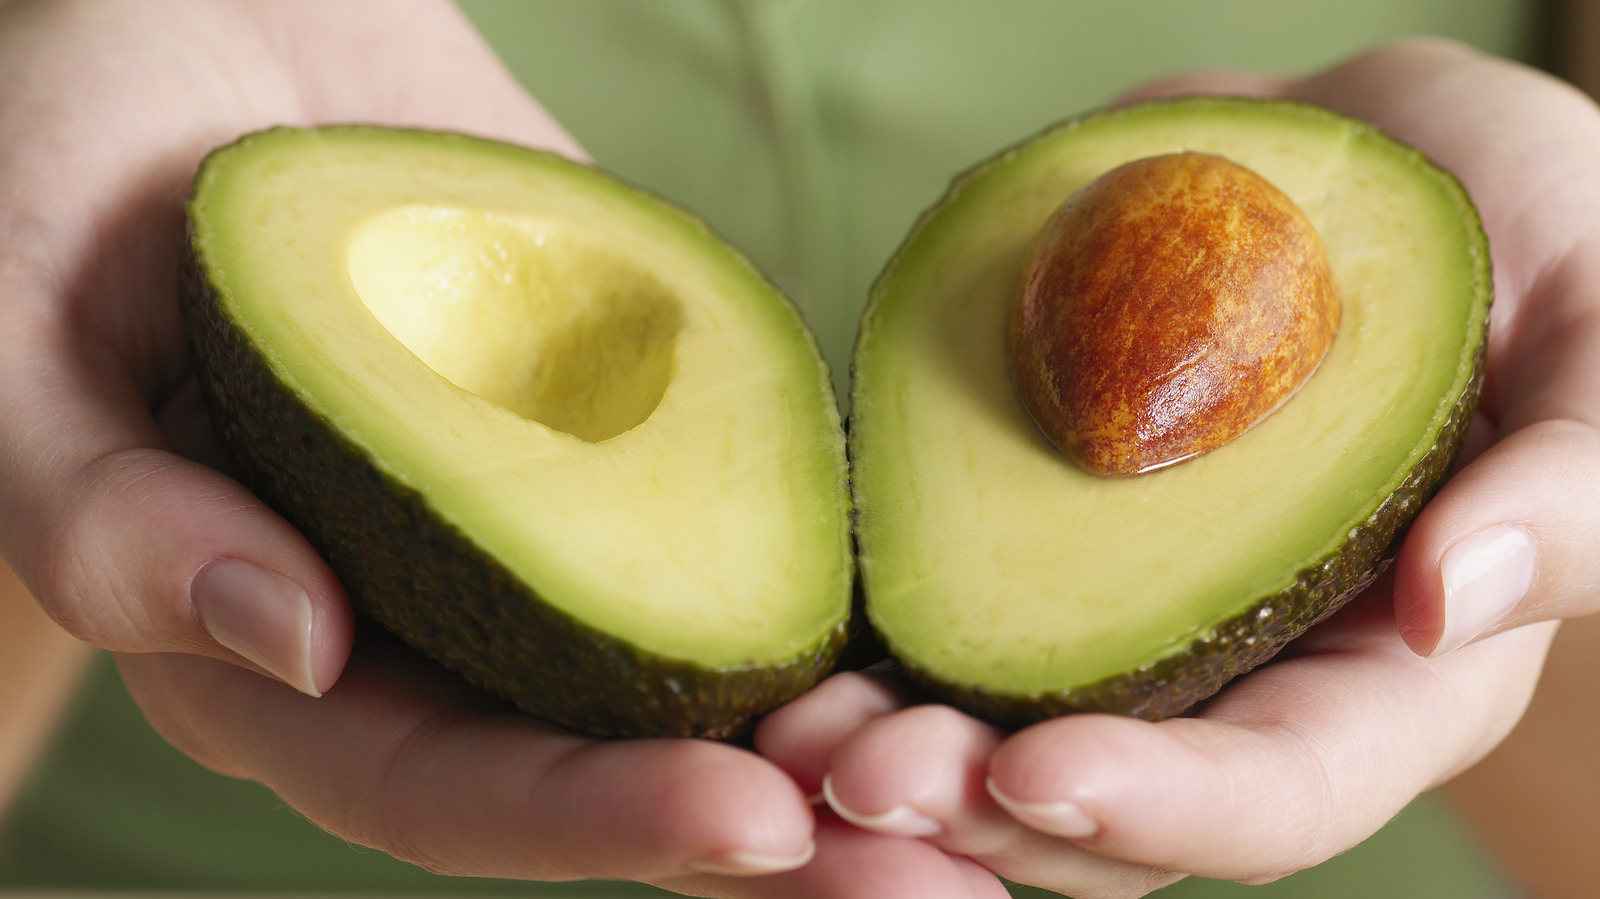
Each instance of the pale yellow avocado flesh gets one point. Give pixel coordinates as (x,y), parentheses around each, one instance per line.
(993,563)
(568,372)
(511,309)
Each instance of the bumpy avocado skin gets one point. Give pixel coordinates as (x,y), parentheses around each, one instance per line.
(1174,684)
(1198,669)
(439,592)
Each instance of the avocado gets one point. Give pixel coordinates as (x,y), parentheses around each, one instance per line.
(1017,585)
(544,427)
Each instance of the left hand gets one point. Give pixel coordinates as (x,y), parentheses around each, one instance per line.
(1308,756)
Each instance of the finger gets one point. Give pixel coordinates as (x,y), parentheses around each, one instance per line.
(402,758)
(854,864)
(1508,541)
(800,737)
(151,552)
(133,548)
(922,773)
(1291,765)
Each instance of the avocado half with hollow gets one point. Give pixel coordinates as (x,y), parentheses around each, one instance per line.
(546,428)
(1018,585)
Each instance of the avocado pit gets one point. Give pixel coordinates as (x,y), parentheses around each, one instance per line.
(1164,309)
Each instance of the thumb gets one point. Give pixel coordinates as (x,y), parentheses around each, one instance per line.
(1510,540)
(135,548)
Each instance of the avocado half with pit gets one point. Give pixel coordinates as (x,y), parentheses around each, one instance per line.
(1017,585)
(544,427)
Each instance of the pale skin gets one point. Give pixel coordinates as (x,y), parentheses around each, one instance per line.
(113,503)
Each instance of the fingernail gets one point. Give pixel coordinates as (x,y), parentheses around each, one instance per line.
(751,864)
(1485,577)
(1061,818)
(259,615)
(900,821)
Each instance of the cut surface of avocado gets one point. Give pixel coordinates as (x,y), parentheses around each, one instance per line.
(545,427)
(1019,586)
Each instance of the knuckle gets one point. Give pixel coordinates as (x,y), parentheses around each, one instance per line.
(939,722)
(83,574)
(377,813)
(90,599)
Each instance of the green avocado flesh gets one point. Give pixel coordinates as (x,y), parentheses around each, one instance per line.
(1017,585)
(546,428)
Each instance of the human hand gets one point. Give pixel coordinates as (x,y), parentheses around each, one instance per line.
(1309,755)
(114,513)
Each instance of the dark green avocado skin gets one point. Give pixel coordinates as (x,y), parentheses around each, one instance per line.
(1176,683)
(439,592)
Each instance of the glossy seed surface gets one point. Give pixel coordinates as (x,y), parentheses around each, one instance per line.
(1167,307)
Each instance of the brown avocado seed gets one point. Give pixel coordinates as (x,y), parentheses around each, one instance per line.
(1165,308)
